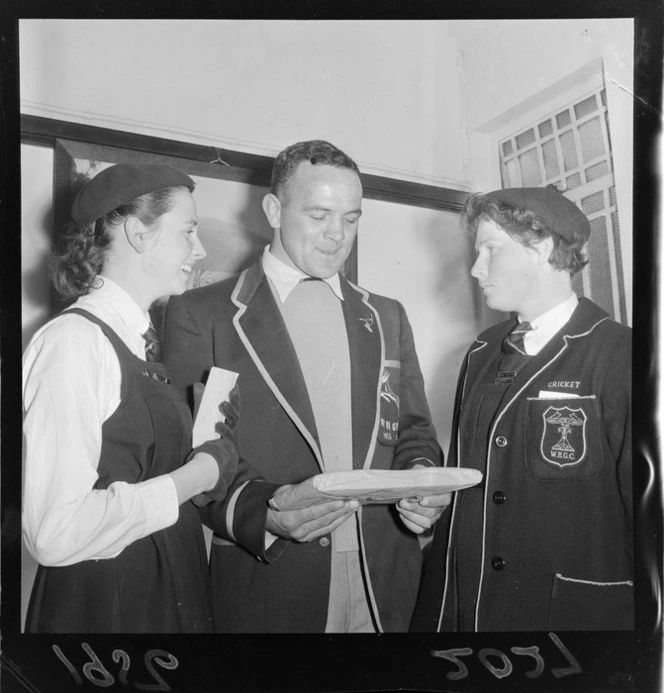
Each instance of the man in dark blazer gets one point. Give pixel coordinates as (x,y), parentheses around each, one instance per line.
(328,381)
(543,410)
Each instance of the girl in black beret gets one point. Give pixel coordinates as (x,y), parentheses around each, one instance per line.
(109,470)
(543,410)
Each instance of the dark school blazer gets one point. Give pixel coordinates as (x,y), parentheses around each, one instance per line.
(237,325)
(556,545)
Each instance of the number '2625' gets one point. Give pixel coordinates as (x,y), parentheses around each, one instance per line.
(95,672)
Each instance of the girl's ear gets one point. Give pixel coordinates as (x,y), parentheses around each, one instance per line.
(136,233)
(543,249)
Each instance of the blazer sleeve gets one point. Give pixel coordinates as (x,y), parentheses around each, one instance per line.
(186,351)
(417,443)
(617,415)
(188,356)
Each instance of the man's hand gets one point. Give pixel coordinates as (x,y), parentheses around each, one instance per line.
(420,514)
(307,524)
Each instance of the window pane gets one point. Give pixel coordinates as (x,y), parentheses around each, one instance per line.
(585,107)
(512,172)
(563,119)
(551,167)
(600,267)
(545,128)
(573,181)
(530,168)
(525,138)
(608,131)
(597,171)
(577,283)
(593,203)
(571,149)
(568,146)
(592,143)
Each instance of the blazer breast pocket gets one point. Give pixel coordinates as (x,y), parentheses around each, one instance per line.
(388,428)
(588,605)
(563,438)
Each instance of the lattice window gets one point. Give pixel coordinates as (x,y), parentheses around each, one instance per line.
(571,149)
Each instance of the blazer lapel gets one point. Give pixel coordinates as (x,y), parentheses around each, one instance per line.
(575,328)
(262,330)
(367,354)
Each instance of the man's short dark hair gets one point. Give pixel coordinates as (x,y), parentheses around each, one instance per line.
(314,151)
(526,227)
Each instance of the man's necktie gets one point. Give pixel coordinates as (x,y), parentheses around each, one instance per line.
(152,352)
(514,340)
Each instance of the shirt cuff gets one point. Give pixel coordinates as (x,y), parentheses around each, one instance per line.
(160,501)
(420,461)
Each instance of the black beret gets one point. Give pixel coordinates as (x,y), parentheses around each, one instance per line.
(559,213)
(120,184)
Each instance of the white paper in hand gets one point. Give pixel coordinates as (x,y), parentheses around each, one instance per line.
(374,486)
(217,388)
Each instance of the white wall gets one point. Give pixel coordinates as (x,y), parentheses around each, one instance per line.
(421,256)
(385,92)
(510,61)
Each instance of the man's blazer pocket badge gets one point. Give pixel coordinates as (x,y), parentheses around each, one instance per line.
(388,430)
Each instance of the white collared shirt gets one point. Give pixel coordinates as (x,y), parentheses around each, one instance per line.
(547,324)
(71,385)
(285,278)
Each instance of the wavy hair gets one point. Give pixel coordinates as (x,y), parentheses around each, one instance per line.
(314,151)
(524,227)
(78,252)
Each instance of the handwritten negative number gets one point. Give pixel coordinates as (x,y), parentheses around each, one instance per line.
(95,672)
(171,663)
(454,655)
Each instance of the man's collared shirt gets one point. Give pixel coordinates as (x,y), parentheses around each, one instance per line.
(285,278)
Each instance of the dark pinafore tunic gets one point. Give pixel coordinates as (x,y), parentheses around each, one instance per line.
(158,584)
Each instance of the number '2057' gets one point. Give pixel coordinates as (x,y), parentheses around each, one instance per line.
(95,672)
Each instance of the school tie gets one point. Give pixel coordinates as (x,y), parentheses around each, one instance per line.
(152,352)
(514,340)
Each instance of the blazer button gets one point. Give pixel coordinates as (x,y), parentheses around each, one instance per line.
(499,497)
(324,541)
(501,441)
(497,563)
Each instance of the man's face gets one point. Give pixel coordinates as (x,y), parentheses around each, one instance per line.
(316,221)
(507,271)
